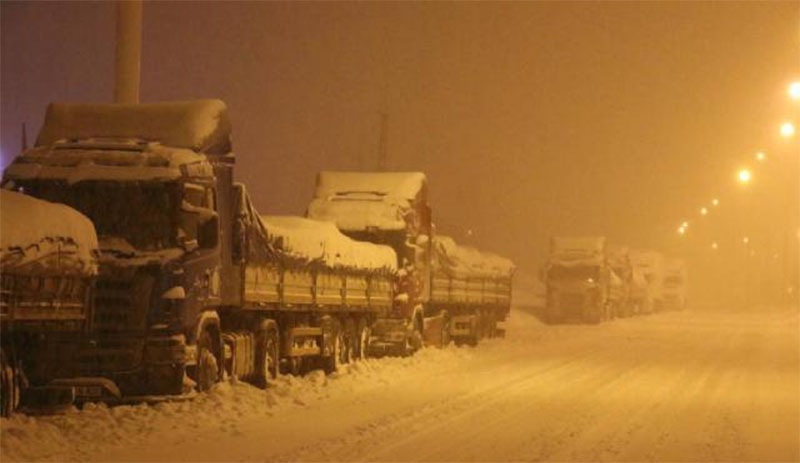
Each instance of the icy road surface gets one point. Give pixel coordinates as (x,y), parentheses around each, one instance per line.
(693,386)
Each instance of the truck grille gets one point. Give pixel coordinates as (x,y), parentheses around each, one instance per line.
(571,300)
(121,304)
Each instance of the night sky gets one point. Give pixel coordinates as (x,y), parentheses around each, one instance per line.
(530,119)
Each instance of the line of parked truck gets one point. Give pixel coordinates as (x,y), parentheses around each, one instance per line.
(588,280)
(133,265)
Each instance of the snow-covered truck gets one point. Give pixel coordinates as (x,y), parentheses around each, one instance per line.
(47,266)
(674,284)
(392,208)
(650,265)
(620,262)
(580,282)
(191,279)
(473,287)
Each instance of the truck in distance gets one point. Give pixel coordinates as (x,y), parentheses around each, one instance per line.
(674,284)
(580,282)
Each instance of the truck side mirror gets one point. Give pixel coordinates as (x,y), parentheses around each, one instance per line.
(208,233)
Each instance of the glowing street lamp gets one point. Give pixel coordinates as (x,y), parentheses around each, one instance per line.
(746,240)
(714,246)
(681,231)
(703,211)
(684,224)
(794,90)
(715,202)
(745,176)
(787,130)
(761,156)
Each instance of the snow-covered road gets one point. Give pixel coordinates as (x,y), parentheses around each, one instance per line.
(692,386)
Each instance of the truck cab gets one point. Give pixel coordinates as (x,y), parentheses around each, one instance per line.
(154,179)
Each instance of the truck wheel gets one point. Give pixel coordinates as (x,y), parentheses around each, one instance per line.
(445,339)
(267,355)
(332,362)
(9,390)
(363,333)
(206,372)
(350,341)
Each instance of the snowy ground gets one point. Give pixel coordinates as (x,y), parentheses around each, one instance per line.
(693,386)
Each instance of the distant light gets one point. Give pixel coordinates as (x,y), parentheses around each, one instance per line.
(703,211)
(715,202)
(681,231)
(714,246)
(745,176)
(746,240)
(684,224)
(787,130)
(761,156)
(794,90)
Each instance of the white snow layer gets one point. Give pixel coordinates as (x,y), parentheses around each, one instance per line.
(75,162)
(363,200)
(40,236)
(311,240)
(199,125)
(468,262)
(575,251)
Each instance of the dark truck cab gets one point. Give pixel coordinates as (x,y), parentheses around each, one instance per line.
(155,181)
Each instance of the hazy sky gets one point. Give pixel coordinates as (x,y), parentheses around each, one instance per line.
(530,119)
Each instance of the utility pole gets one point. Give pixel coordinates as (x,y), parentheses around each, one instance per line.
(129,48)
(382,143)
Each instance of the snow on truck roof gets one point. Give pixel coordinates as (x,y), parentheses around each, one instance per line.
(362,200)
(42,237)
(202,126)
(575,251)
(155,141)
(465,261)
(313,240)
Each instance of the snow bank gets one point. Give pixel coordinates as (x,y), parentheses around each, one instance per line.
(468,262)
(312,240)
(363,200)
(200,125)
(39,236)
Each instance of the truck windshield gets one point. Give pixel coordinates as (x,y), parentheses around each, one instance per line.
(143,213)
(582,272)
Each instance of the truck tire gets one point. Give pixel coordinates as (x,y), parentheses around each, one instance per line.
(206,371)
(363,333)
(332,362)
(349,340)
(267,353)
(9,387)
(445,337)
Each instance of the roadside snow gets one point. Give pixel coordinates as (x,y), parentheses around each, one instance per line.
(704,386)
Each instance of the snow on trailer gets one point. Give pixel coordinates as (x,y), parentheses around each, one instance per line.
(314,240)
(42,238)
(474,288)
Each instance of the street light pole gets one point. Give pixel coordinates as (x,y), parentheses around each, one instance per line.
(129,47)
